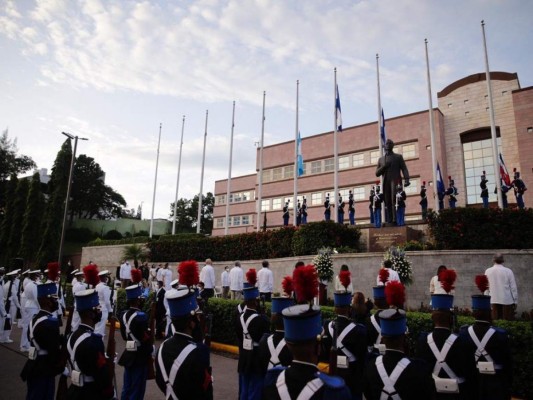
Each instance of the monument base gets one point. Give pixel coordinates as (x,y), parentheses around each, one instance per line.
(380,239)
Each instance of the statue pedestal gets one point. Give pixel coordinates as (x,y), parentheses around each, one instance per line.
(380,239)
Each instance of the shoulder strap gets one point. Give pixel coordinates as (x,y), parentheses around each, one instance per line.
(127,324)
(340,338)
(307,392)
(481,352)
(376,327)
(275,351)
(441,356)
(390,381)
(246,324)
(33,326)
(72,349)
(176,365)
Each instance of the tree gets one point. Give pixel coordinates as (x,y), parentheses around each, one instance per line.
(135,252)
(187,214)
(7,221)
(19,208)
(33,220)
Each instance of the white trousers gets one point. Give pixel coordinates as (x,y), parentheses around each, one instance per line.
(99,328)
(29,313)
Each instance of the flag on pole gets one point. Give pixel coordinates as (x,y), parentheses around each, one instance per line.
(382,129)
(504,175)
(299,156)
(440,182)
(338,114)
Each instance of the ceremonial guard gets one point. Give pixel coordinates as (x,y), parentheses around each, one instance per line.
(5,322)
(371,203)
(346,341)
(519,189)
(138,352)
(340,210)
(351,208)
(77,286)
(440,196)
(303,327)
(10,307)
(452,193)
(43,364)
(400,205)
(251,326)
(490,349)
(298,214)
(484,190)
(505,189)
(304,211)
(378,201)
(91,376)
(394,375)
(286,213)
(104,297)
(423,201)
(445,352)
(327,209)
(30,306)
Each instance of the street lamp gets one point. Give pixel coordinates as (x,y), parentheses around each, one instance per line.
(68,192)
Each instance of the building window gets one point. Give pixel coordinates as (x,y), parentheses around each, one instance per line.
(344,194)
(305,170)
(288,172)
(344,162)
(220,222)
(236,221)
(229,221)
(221,199)
(276,174)
(329,165)
(316,167)
(359,193)
(276,204)
(374,157)
(245,220)
(358,160)
(409,151)
(265,205)
(246,196)
(267,175)
(316,198)
(289,200)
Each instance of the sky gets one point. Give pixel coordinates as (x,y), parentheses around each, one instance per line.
(113,71)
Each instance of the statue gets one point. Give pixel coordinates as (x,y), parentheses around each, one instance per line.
(389,166)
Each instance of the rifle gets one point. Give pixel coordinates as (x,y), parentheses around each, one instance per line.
(62,387)
(151,326)
(209,329)
(19,289)
(7,320)
(333,351)
(111,349)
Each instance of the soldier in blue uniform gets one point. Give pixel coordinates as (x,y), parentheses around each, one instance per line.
(394,375)
(351,208)
(90,375)
(519,189)
(484,190)
(452,193)
(182,364)
(400,205)
(491,352)
(371,204)
(302,378)
(378,201)
(423,201)
(298,213)
(136,355)
(286,213)
(327,209)
(304,211)
(340,210)
(374,345)
(505,189)
(43,362)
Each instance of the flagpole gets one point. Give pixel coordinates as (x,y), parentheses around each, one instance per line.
(155,181)
(492,121)
(178,178)
(228,190)
(432,132)
(199,221)
(295,197)
(335,149)
(260,189)
(380,122)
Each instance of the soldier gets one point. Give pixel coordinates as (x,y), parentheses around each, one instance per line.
(505,189)
(182,365)
(298,214)
(452,192)
(393,375)
(484,190)
(340,210)
(10,308)
(400,205)
(327,209)
(304,211)
(371,203)
(286,213)
(90,374)
(490,349)
(424,201)
(378,200)
(30,305)
(104,297)
(351,208)
(77,286)
(43,363)
(519,189)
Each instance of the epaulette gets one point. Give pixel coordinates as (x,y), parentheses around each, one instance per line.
(463,328)
(333,382)
(423,335)
(272,375)
(53,318)
(97,335)
(500,330)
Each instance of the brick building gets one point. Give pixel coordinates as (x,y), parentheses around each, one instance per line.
(463,150)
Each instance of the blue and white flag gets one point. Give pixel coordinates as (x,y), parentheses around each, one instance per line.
(338,114)
(382,129)
(300,159)
(440,183)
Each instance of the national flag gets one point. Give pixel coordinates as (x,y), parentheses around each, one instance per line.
(504,175)
(440,182)
(300,159)
(338,114)
(382,129)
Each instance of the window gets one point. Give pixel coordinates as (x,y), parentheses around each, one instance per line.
(229,221)
(245,220)
(316,167)
(236,221)
(344,194)
(374,157)
(288,172)
(358,160)
(220,222)
(316,198)
(329,165)
(409,151)
(288,199)
(267,175)
(235,197)
(305,169)
(221,199)
(344,162)
(265,205)
(246,196)
(276,204)
(359,193)
(276,174)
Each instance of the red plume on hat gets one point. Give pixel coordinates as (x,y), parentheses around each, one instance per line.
(90,272)
(395,294)
(447,279)
(251,276)
(305,283)
(188,273)
(136,275)
(287,285)
(345,277)
(53,271)
(383,275)
(482,283)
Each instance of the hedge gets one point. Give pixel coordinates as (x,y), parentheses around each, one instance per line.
(521,334)
(313,236)
(130,240)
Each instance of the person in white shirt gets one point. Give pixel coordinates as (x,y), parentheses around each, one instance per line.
(265,282)
(153,277)
(503,290)
(236,279)
(3,313)
(338,285)
(207,276)
(435,286)
(31,307)
(78,287)
(125,274)
(166,277)
(225,282)
(104,298)
(393,275)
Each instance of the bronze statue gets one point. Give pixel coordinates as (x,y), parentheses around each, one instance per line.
(390,165)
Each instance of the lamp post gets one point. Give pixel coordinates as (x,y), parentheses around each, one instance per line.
(70,176)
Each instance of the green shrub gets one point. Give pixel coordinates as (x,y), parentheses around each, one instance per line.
(181,236)
(79,235)
(135,239)
(142,233)
(315,235)
(113,234)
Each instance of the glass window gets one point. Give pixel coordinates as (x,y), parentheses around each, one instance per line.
(236,221)
(221,199)
(316,198)
(276,204)
(374,157)
(267,175)
(220,222)
(265,205)
(344,162)
(237,197)
(329,165)
(358,160)
(409,151)
(359,193)
(288,199)
(316,167)
(276,174)
(305,169)
(288,172)
(245,220)
(344,194)
(229,221)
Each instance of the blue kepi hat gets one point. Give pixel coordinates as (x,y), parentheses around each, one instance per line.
(250,293)
(302,322)
(281,303)
(133,292)
(378,292)
(181,303)
(86,299)
(480,302)
(47,289)
(342,299)
(442,301)
(393,322)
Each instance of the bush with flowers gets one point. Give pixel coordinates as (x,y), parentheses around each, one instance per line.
(400,264)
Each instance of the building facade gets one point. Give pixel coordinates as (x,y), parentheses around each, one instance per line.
(462,144)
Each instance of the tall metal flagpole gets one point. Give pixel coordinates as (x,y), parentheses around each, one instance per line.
(228,190)
(260,188)
(198,222)
(335,149)
(178,178)
(492,122)
(380,124)
(432,133)
(295,197)
(155,182)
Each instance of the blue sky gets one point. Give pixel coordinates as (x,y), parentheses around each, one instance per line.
(112,71)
